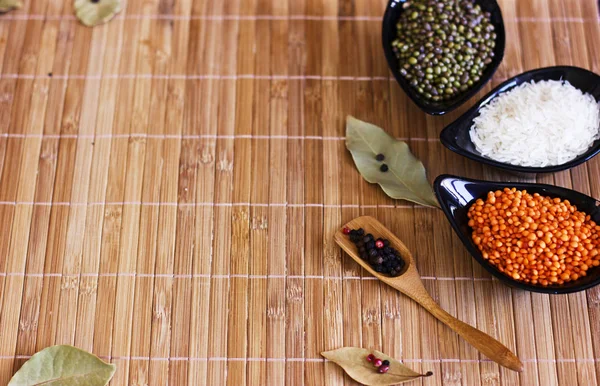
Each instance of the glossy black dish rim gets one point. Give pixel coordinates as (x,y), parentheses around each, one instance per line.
(474,252)
(448,134)
(393,64)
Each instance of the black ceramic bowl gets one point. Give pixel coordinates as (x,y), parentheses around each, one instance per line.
(456,195)
(390,18)
(456,135)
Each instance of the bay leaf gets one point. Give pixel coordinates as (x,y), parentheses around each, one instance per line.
(354,362)
(9,5)
(94,12)
(65,366)
(406,178)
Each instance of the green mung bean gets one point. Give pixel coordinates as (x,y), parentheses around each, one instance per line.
(444,43)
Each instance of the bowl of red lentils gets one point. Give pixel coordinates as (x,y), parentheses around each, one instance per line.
(535,237)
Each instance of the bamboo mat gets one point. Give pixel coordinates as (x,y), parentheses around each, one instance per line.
(171,182)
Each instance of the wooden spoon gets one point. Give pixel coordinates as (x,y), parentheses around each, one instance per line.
(409,283)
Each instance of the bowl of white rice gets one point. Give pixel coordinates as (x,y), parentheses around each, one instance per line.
(541,121)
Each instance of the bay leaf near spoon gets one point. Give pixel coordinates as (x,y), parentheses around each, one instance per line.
(95,12)
(405,178)
(354,362)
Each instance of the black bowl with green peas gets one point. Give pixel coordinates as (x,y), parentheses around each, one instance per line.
(442,52)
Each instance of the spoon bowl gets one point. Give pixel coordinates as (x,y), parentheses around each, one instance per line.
(409,283)
(456,194)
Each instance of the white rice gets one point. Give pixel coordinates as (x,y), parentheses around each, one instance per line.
(537,124)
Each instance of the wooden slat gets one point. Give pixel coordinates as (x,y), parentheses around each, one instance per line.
(28,320)
(18,183)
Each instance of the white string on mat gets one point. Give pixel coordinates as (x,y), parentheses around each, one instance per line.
(316,360)
(226,276)
(357,18)
(198,77)
(212,204)
(192,136)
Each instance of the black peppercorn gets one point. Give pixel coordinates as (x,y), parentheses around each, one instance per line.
(379,157)
(383,258)
(384,168)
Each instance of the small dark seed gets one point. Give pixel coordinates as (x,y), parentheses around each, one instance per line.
(384,168)
(385,362)
(379,157)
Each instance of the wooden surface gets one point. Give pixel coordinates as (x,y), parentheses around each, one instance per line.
(171,183)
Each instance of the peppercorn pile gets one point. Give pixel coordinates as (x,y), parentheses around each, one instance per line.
(444,46)
(535,239)
(378,253)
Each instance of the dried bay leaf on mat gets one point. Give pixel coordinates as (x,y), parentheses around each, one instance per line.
(94,12)
(354,362)
(8,5)
(406,178)
(65,366)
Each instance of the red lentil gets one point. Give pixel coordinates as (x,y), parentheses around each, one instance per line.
(534,239)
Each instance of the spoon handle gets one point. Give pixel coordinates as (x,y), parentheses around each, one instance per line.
(487,345)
